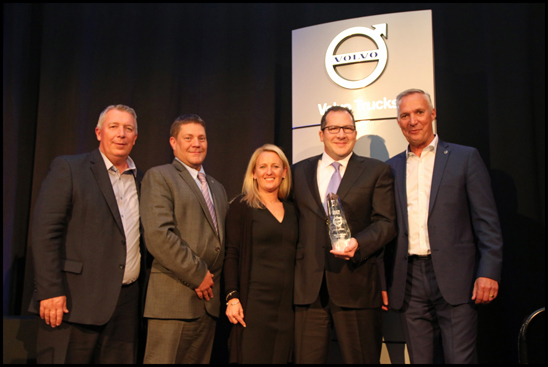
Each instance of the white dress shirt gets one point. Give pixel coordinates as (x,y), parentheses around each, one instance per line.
(325,170)
(125,191)
(418,184)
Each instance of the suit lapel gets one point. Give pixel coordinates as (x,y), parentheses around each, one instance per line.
(442,155)
(99,170)
(138,180)
(400,181)
(356,165)
(310,171)
(187,177)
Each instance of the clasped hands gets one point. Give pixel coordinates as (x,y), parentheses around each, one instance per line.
(205,289)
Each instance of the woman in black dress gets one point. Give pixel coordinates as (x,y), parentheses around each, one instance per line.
(260,262)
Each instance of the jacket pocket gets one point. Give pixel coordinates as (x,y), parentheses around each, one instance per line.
(72,266)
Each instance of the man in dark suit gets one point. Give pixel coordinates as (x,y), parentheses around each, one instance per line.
(183,212)
(448,254)
(341,288)
(86,250)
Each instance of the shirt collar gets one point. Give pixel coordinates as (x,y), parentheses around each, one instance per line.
(430,148)
(327,160)
(193,172)
(111,167)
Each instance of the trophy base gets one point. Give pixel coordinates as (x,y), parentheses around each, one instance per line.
(340,245)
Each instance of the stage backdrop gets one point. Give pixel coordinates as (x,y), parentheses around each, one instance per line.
(231,64)
(361,63)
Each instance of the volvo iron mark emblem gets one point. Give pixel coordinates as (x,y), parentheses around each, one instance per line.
(380,55)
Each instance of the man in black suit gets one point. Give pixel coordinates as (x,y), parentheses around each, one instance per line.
(86,250)
(341,288)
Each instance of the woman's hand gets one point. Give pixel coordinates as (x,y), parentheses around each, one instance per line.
(235,312)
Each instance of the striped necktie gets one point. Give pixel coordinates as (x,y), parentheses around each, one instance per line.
(334,183)
(208,201)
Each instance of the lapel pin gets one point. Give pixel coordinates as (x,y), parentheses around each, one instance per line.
(445,152)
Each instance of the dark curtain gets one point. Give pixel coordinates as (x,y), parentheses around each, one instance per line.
(231,64)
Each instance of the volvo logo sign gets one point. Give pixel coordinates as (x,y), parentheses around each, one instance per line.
(380,55)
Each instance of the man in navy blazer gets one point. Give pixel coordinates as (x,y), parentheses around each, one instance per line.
(447,256)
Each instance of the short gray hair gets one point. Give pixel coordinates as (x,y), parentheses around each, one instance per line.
(119,107)
(407,92)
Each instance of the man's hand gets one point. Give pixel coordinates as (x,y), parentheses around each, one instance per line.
(205,290)
(348,251)
(52,309)
(485,290)
(385,306)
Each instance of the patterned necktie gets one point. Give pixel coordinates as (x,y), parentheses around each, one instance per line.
(207,198)
(333,183)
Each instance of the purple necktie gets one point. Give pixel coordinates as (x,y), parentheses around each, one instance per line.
(207,198)
(333,183)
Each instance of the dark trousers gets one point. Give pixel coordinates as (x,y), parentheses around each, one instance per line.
(114,342)
(359,332)
(435,331)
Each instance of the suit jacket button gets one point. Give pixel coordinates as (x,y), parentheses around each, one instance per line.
(122,267)
(218,249)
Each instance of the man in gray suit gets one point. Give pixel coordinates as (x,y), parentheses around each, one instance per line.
(183,215)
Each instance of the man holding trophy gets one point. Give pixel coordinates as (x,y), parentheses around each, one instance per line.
(346,216)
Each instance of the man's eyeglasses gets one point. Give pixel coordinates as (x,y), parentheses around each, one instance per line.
(335,129)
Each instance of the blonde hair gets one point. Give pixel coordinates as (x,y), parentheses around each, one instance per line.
(250,188)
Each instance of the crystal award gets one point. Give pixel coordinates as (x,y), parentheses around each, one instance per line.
(339,232)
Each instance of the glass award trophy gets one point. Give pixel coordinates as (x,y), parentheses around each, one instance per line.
(339,232)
